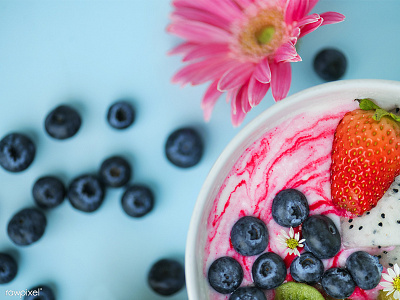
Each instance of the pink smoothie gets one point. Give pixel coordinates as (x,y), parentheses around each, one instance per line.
(295,154)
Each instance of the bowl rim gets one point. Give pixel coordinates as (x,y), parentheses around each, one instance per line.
(238,139)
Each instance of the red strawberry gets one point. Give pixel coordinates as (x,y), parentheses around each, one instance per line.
(365,157)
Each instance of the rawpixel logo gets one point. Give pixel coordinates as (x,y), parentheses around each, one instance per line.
(23,293)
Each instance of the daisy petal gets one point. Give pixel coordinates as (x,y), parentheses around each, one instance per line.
(396,295)
(391,273)
(281,74)
(296,236)
(331,17)
(291,232)
(387,277)
(386,284)
(396,270)
(235,77)
(302,241)
(391,291)
(285,234)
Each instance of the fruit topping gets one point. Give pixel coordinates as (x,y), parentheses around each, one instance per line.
(115,171)
(121,115)
(8,268)
(364,269)
(86,193)
(290,208)
(225,275)
(62,122)
(184,147)
(137,200)
(391,283)
(337,283)
(249,236)
(248,293)
(307,268)
(26,226)
(17,152)
(330,64)
(166,277)
(365,157)
(297,291)
(321,235)
(269,271)
(41,292)
(291,241)
(48,192)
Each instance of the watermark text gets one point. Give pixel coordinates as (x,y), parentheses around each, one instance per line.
(23,293)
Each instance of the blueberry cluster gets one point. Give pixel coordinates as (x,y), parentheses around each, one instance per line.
(249,236)
(86,192)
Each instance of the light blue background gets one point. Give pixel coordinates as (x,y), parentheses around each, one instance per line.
(91,53)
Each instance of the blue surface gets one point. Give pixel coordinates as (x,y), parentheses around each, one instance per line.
(91,53)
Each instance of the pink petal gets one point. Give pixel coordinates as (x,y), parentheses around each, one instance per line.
(332,17)
(206,50)
(227,8)
(262,71)
(287,53)
(308,19)
(183,48)
(237,115)
(195,14)
(199,32)
(310,6)
(210,98)
(244,3)
(256,91)
(236,76)
(246,107)
(280,80)
(310,27)
(295,10)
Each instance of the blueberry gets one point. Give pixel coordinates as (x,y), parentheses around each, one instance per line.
(365,269)
(269,271)
(321,235)
(137,200)
(8,268)
(17,152)
(248,293)
(330,64)
(290,208)
(307,268)
(62,122)
(26,226)
(184,147)
(225,275)
(337,283)
(249,236)
(121,115)
(166,277)
(41,292)
(115,171)
(48,192)
(86,193)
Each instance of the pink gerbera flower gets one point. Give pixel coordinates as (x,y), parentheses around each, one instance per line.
(243,47)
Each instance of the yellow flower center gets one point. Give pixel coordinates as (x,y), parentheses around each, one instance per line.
(262,34)
(396,283)
(292,243)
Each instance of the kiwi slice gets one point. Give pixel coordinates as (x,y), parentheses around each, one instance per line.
(383,296)
(297,291)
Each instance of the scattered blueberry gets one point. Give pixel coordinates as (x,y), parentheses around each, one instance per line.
(86,193)
(115,171)
(121,115)
(62,122)
(365,269)
(290,208)
(166,277)
(307,268)
(248,293)
(249,236)
(330,64)
(269,271)
(8,268)
(17,152)
(41,292)
(26,226)
(184,147)
(337,283)
(137,200)
(321,235)
(48,192)
(225,275)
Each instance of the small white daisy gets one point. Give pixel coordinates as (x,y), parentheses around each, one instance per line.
(291,242)
(392,283)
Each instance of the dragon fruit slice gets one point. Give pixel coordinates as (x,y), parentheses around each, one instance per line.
(388,258)
(378,227)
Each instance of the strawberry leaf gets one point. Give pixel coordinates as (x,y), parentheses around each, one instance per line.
(367,104)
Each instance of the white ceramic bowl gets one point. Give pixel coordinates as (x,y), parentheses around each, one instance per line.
(383,91)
